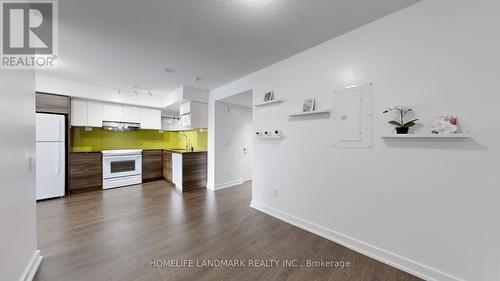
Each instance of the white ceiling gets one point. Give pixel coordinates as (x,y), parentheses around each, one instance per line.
(119,43)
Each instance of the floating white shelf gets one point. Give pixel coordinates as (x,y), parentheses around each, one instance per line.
(269,102)
(429,136)
(269,137)
(315,112)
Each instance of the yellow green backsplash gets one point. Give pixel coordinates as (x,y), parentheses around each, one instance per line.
(99,139)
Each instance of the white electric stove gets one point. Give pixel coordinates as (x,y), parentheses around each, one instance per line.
(121,167)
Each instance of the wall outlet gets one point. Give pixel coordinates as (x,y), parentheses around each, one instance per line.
(275,193)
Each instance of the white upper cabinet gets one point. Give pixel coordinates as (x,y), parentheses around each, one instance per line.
(112,112)
(156,119)
(131,114)
(150,118)
(86,113)
(94,114)
(185,108)
(79,112)
(121,113)
(170,124)
(91,114)
(186,121)
(145,118)
(194,115)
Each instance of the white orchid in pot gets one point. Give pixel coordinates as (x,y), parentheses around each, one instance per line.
(402,126)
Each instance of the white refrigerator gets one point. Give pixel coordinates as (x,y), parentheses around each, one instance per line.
(50,156)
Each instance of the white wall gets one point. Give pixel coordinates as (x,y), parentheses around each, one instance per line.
(18,245)
(231,122)
(429,206)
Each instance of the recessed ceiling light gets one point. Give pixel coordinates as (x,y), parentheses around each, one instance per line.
(170,70)
(257,3)
(197,79)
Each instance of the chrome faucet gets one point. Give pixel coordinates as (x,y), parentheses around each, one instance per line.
(187,142)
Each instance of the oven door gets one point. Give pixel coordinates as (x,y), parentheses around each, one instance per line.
(121,166)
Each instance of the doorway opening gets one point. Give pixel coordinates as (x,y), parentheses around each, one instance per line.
(233,140)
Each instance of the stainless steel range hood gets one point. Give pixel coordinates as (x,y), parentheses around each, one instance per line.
(120,126)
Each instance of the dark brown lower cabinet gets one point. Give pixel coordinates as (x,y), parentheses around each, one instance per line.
(192,166)
(152,165)
(167,166)
(85,171)
(194,171)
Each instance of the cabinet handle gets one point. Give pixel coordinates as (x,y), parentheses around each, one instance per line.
(58,163)
(30,163)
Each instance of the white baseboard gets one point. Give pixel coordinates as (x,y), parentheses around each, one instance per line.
(32,267)
(402,263)
(227,184)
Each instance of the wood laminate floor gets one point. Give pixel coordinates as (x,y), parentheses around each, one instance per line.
(114,235)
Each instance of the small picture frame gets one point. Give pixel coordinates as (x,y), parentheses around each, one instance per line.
(309,105)
(269,96)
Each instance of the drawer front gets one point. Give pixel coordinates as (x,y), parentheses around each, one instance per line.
(85,182)
(85,170)
(152,157)
(84,158)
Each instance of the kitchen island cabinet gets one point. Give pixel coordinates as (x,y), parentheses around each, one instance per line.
(186,170)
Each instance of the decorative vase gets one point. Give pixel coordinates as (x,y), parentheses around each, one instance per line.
(402,130)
